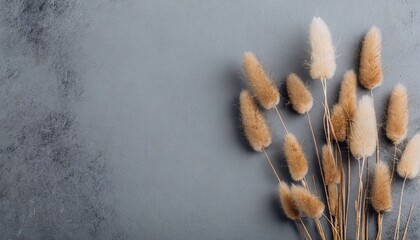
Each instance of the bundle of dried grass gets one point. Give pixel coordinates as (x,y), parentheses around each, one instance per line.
(307,203)
(397,115)
(370,71)
(339,122)
(300,96)
(255,127)
(296,159)
(363,133)
(381,190)
(322,50)
(262,86)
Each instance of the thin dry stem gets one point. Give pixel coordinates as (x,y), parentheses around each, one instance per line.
(281,119)
(271,165)
(408,221)
(397,225)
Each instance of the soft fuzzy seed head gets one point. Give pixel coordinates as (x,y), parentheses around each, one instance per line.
(381,192)
(322,50)
(299,94)
(339,122)
(261,85)
(287,203)
(331,172)
(307,203)
(370,72)
(255,127)
(295,158)
(333,198)
(409,164)
(397,115)
(348,94)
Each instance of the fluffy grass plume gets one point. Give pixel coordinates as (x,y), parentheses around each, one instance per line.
(261,85)
(299,94)
(381,191)
(339,122)
(333,198)
(296,159)
(255,127)
(331,172)
(348,93)
(409,165)
(397,115)
(322,50)
(364,133)
(287,203)
(370,71)
(307,203)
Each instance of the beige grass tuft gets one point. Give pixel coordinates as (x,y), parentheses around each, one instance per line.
(299,94)
(339,122)
(370,71)
(381,191)
(364,133)
(287,203)
(261,85)
(333,198)
(409,165)
(296,159)
(307,202)
(255,127)
(348,93)
(397,115)
(331,172)
(322,50)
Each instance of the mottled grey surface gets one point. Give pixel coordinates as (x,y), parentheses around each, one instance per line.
(118,119)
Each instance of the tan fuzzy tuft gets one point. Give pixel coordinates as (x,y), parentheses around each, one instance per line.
(254,124)
(339,122)
(307,203)
(262,86)
(322,50)
(331,172)
(397,115)
(348,94)
(364,133)
(333,198)
(287,203)
(296,159)
(299,94)
(370,71)
(381,192)
(409,165)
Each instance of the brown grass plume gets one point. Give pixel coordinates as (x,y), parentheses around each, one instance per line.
(299,94)
(409,165)
(287,203)
(296,159)
(339,122)
(307,203)
(381,192)
(397,115)
(348,93)
(333,198)
(331,172)
(370,72)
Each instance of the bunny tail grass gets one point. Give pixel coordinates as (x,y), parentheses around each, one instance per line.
(296,159)
(339,122)
(255,127)
(287,203)
(364,133)
(409,165)
(331,172)
(381,190)
(322,50)
(333,198)
(307,203)
(370,71)
(299,94)
(348,94)
(397,115)
(261,85)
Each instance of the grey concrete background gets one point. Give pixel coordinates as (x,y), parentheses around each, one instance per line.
(118,119)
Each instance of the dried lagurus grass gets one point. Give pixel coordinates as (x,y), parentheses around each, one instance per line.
(307,203)
(339,122)
(322,65)
(370,72)
(296,159)
(261,85)
(299,94)
(348,94)
(287,203)
(409,165)
(331,172)
(397,115)
(363,134)
(381,192)
(255,127)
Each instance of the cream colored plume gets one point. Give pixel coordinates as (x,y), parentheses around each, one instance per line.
(381,192)
(295,158)
(370,71)
(299,94)
(348,93)
(364,133)
(307,203)
(261,85)
(287,203)
(409,165)
(397,115)
(255,127)
(322,50)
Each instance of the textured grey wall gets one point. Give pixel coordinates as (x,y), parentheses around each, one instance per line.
(118,119)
